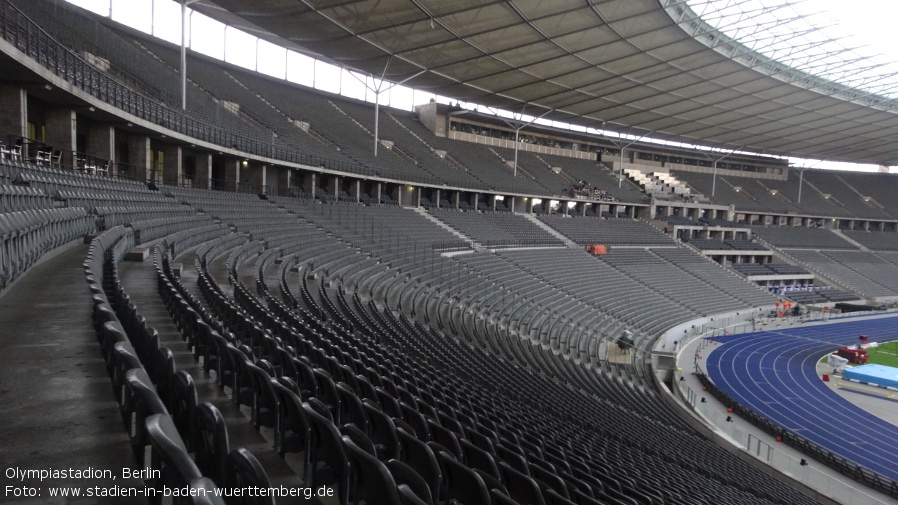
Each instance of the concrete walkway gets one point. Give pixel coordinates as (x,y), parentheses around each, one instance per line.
(59,411)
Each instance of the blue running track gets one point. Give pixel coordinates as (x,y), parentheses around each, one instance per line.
(774,373)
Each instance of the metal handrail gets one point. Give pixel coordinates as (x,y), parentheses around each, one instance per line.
(32,40)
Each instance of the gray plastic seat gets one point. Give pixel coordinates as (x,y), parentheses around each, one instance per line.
(169,455)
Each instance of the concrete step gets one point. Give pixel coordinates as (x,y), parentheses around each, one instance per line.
(462,236)
(551,231)
(139,280)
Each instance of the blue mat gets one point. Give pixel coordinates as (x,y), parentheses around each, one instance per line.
(875,374)
(775,374)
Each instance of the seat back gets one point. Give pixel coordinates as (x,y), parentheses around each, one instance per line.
(371,483)
(382,431)
(408,497)
(476,457)
(521,487)
(124,359)
(553,498)
(404,475)
(388,403)
(513,458)
(264,403)
(329,462)
(141,401)
(359,438)
(308,384)
(501,499)
(445,437)
(169,455)
(243,470)
(183,403)
(416,420)
(549,479)
(327,393)
(210,441)
(292,431)
(351,409)
(462,483)
(419,456)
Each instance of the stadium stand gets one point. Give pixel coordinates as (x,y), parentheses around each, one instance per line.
(589,230)
(380,350)
(874,186)
(768,269)
(823,262)
(874,240)
(246,212)
(724,191)
(799,237)
(595,175)
(496,228)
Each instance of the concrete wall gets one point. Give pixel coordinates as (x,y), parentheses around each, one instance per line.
(522,146)
(255,177)
(284,178)
(430,117)
(139,156)
(172,164)
(62,127)
(232,173)
(203,175)
(13,110)
(101,142)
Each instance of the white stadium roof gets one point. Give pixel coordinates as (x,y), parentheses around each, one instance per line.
(668,68)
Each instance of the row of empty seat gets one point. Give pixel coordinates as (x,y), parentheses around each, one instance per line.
(726,245)
(469,397)
(768,269)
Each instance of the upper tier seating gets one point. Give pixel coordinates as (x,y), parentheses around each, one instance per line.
(588,230)
(725,192)
(134,67)
(750,194)
(389,129)
(874,240)
(477,159)
(710,244)
(596,175)
(768,269)
(876,186)
(496,228)
(745,245)
(801,237)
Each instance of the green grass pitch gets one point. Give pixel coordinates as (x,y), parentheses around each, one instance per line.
(886,354)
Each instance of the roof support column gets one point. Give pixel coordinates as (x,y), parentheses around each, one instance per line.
(620,173)
(714,178)
(377,87)
(184,4)
(517,131)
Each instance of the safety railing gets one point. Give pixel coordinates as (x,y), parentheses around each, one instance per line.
(28,37)
(803,445)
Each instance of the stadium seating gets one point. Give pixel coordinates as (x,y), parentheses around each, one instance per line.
(801,238)
(874,240)
(353,342)
(396,360)
(495,228)
(585,231)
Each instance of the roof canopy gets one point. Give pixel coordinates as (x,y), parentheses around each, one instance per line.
(631,66)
